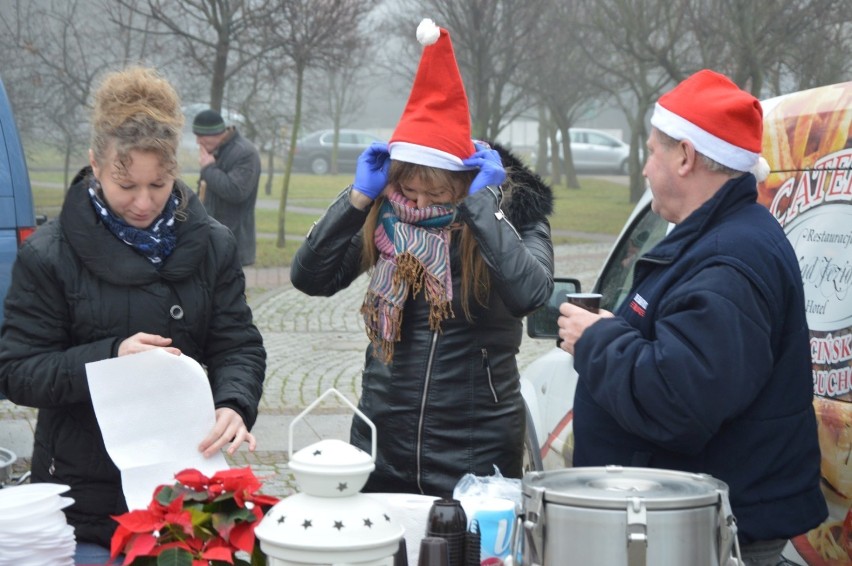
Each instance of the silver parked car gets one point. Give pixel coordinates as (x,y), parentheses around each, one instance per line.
(595,151)
(598,152)
(313,151)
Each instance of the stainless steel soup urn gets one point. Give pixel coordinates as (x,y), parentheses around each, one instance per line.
(626,517)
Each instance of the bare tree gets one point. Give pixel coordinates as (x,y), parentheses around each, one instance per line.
(799,69)
(220,37)
(312,33)
(133,36)
(636,46)
(749,41)
(58,60)
(259,97)
(343,86)
(647,46)
(562,80)
(493,41)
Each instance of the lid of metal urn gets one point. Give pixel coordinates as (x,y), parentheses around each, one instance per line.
(613,487)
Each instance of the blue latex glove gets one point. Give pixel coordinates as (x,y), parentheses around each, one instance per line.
(371,172)
(491,170)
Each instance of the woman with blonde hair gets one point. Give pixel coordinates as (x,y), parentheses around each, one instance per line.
(132,263)
(458,252)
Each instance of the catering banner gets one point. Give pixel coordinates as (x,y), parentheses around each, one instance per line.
(807,141)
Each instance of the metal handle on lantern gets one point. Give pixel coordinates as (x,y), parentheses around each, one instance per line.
(319,400)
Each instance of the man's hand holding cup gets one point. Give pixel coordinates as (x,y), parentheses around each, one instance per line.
(578,312)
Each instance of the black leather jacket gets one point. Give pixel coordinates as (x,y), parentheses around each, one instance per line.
(449,403)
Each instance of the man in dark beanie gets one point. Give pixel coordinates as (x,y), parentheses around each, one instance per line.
(229,178)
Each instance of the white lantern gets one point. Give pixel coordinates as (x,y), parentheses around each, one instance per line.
(329,521)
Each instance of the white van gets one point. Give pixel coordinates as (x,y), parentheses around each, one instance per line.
(807,141)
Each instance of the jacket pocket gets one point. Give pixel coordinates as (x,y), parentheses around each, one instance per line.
(486,365)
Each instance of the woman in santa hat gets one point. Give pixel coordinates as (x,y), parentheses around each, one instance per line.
(458,253)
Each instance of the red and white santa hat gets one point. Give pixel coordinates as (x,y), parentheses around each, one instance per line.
(434,129)
(722,121)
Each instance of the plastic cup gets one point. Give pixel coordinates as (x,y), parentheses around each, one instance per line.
(495,518)
(433,552)
(446,516)
(401,556)
(472,545)
(589,301)
(448,521)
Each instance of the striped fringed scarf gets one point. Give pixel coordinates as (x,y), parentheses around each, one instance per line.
(414,248)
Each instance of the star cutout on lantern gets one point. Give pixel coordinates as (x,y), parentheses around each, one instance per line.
(386,517)
(281,519)
(307,524)
(342,486)
(368,523)
(317,452)
(338,525)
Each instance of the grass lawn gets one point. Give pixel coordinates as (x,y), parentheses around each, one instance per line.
(598,206)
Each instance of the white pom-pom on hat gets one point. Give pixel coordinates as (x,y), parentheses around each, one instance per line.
(427,32)
(760,169)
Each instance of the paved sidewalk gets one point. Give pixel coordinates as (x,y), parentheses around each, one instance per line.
(312,344)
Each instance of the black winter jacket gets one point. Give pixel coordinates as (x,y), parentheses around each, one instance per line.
(77,292)
(450,401)
(232,183)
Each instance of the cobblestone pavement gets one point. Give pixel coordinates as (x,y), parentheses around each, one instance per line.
(312,344)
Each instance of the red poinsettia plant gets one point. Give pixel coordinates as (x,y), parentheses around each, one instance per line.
(198,521)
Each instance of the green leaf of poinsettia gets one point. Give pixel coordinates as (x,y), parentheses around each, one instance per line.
(166,495)
(241,515)
(174,557)
(258,558)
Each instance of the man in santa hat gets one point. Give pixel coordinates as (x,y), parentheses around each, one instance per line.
(706,365)
(456,241)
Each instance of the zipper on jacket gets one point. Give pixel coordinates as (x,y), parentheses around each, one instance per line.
(52,468)
(425,393)
(502,217)
(497,192)
(486,365)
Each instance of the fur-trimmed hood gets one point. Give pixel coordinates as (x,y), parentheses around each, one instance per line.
(530,198)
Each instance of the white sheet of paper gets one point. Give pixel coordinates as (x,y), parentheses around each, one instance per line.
(154,409)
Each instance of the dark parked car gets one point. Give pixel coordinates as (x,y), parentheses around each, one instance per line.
(17,215)
(313,152)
